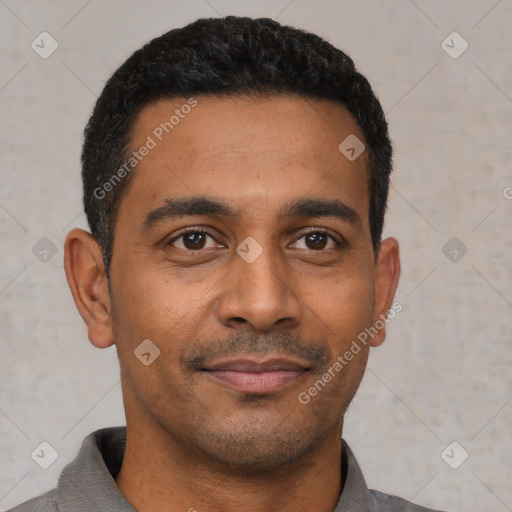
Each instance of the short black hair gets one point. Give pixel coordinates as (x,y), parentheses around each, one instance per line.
(224,56)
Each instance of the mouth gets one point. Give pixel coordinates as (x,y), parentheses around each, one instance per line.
(257,375)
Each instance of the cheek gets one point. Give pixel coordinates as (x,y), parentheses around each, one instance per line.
(345,303)
(153,300)
(154,306)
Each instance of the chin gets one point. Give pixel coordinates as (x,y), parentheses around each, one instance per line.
(256,448)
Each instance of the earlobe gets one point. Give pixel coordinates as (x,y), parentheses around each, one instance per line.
(85,273)
(386,282)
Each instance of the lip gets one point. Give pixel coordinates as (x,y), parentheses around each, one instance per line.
(257,375)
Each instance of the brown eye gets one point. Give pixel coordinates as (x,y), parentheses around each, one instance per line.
(317,241)
(192,240)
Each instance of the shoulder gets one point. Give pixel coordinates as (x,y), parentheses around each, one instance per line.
(390,503)
(45,503)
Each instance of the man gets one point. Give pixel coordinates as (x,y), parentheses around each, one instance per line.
(235,176)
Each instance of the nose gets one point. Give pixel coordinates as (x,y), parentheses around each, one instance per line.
(259,295)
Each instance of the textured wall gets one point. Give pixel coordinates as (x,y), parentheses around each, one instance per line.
(443,374)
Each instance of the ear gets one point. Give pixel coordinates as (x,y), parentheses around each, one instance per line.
(386,282)
(85,272)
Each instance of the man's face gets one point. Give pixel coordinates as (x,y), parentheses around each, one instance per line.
(254,310)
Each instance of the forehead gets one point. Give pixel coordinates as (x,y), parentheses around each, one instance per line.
(247,148)
(269,123)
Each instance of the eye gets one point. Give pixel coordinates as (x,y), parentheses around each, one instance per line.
(192,240)
(196,239)
(318,240)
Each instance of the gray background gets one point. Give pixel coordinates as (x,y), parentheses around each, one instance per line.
(442,375)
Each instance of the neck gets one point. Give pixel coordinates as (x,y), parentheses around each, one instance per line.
(159,474)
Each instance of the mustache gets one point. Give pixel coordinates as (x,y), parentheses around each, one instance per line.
(279,342)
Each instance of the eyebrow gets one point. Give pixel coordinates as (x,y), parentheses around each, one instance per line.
(174,208)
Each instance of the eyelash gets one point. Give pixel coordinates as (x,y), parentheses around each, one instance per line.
(206,232)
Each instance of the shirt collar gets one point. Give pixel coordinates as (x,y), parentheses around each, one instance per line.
(355,496)
(88,483)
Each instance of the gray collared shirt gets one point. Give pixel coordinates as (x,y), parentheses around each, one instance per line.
(88,483)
